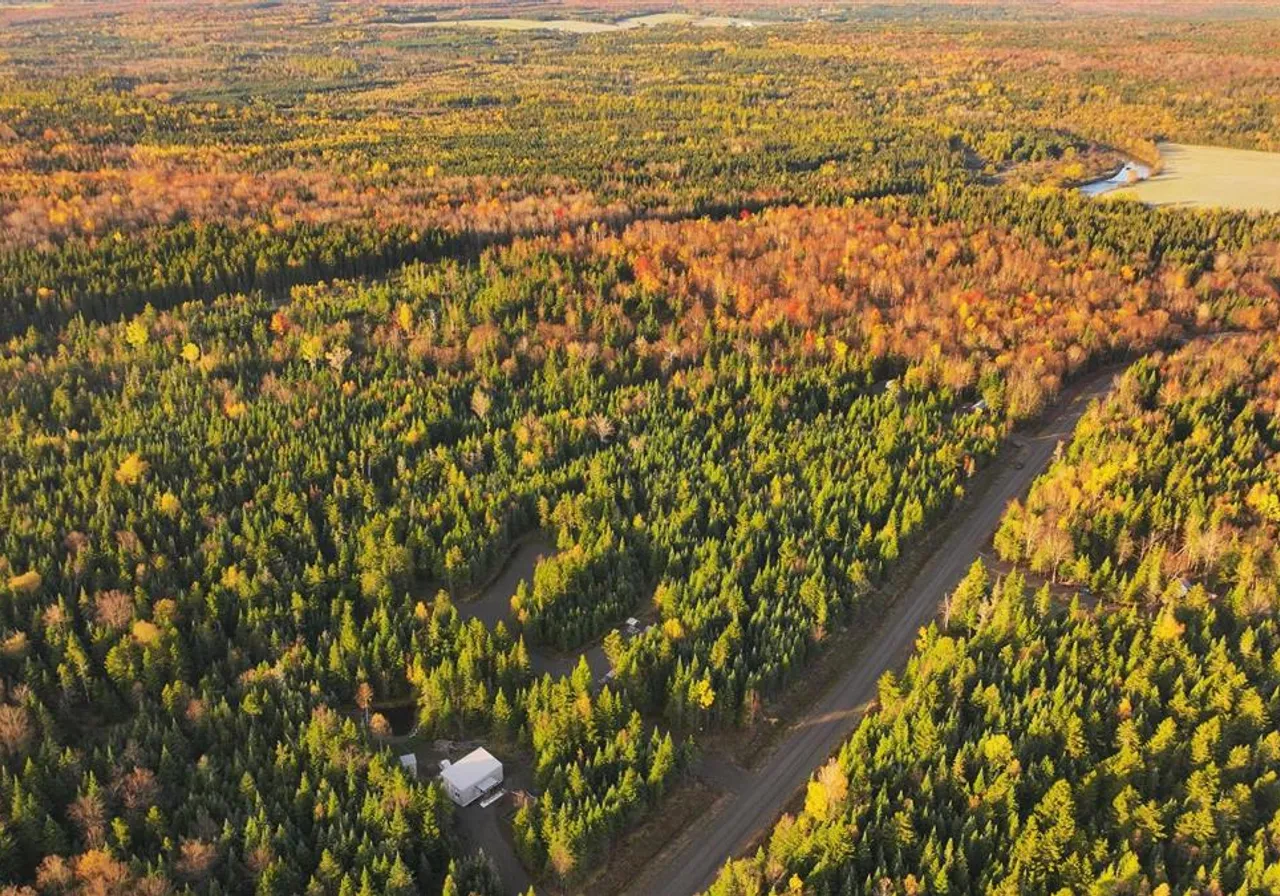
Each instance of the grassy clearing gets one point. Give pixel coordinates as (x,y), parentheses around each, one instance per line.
(580,26)
(1211,176)
(572,26)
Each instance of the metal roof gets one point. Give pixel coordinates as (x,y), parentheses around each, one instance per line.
(471,769)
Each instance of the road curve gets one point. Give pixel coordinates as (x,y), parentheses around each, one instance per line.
(690,864)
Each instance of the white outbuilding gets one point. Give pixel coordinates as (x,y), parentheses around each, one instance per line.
(472,776)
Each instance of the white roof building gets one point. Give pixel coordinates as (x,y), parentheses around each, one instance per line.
(471,776)
(409,762)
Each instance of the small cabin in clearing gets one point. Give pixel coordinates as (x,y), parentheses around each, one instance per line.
(472,776)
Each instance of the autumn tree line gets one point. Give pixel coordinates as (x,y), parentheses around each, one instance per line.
(279,503)
(186,174)
(298,347)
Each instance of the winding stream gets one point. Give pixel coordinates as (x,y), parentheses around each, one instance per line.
(1132,173)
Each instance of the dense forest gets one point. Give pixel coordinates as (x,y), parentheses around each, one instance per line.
(1174,479)
(1116,740)
(312,317)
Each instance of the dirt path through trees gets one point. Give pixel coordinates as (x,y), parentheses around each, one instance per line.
(690,864)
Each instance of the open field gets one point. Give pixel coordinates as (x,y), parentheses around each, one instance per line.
(582,26)
(571,26)
(1212,176)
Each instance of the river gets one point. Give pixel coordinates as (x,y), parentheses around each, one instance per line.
(1131,173)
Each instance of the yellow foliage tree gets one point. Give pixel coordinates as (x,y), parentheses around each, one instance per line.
(25,583)
(131,470)
(169,505)
(136,333)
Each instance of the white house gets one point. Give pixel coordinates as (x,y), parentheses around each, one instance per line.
(409,762)
(471,776)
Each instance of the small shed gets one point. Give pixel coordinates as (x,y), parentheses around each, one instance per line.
(409,762)
(472,776)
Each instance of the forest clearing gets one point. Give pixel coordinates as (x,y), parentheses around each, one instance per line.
(1210,177)
(580,26)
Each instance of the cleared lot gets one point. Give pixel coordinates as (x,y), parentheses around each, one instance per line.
(1211,177)
(493,605)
